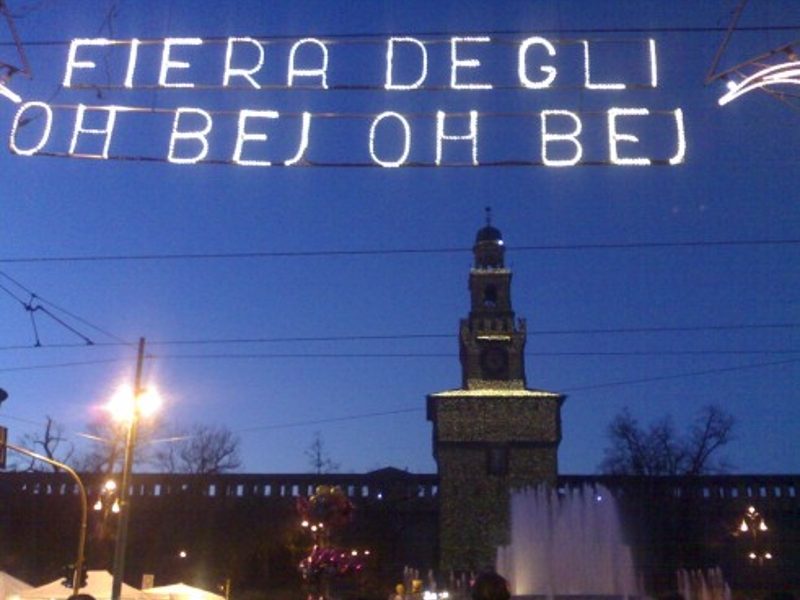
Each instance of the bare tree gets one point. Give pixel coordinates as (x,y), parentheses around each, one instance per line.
(109,438)
(660,450)
(51,443)
(200,450)
(318,459)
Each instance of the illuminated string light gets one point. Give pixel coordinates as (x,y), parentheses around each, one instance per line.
(245,57)
(587,73)
(522,71)
(785,73)
(321,71)
(167,64)
(472,136)
(614,137)
(305,128)
(73,63)
(106,131)
(76,61)
(243,136)
(569,137)
(199,135)
(653,64)
(192,126)
(4,91)
(241,72)
(680,155)
(18,120)
(406,139)
(390,84)
(131,69)
(466,63)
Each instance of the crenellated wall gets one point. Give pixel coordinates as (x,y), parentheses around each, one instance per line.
(245,526)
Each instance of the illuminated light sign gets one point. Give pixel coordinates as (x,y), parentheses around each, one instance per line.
(290,96)
(569,137)
(403,157)
(786,73)
(4,91)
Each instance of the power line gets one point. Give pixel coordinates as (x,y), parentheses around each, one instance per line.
(680,375)
(397,251)
(569,390)
(36,304)
(402,355)
(424,336)
(374,37)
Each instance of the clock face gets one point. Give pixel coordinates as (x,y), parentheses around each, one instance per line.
(494,362)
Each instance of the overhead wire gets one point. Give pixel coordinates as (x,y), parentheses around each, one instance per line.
(395,251)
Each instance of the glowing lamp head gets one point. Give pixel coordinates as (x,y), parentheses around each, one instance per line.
(124,404)
(743,527)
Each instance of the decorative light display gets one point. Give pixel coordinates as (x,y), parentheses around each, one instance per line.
(780,74)
(265,134)
(322,514)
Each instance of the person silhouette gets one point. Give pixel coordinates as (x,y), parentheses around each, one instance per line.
(490,586)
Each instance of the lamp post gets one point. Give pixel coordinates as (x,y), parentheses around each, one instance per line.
(124,492)
(80,562)
(754,526)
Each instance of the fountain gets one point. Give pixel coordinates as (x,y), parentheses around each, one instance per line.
(567,543)
(703,585)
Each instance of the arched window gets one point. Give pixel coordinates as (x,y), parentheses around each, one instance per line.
(490,296)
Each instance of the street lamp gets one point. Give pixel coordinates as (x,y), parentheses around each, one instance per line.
(107,499)
(754,525)
(129,407)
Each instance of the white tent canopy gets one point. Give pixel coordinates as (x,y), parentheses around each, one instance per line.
(10,586)
(179,591)
(98,584)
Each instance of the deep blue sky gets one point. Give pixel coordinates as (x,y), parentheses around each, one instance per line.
(347,252)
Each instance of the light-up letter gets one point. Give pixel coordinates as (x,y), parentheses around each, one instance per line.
(406,139)
(303,141)
(243,136)
(321,72)
(240,72)
(390,84)
(200,135)
(614,137)
(570,137)
(653,64)
(471,136)
(587,73)
(522,64)
(72,61)
(132,56)
(106,131)
(167,63)
(469,63)
(680,155)
(18,120)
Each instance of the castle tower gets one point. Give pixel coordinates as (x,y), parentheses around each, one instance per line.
(493,435)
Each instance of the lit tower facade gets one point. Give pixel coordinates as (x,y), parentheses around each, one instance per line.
(493,435)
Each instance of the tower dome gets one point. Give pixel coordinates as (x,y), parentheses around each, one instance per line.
(489,234)
(488,249)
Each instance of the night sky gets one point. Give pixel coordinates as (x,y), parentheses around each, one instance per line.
(324,295)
